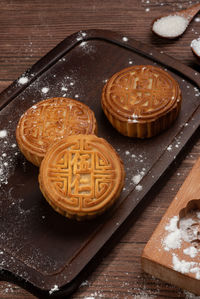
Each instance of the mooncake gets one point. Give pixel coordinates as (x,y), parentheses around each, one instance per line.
(51,120)
(81,176)
(141,101)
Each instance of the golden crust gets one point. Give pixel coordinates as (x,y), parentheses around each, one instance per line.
(81,176)
(141,101)
(51,120)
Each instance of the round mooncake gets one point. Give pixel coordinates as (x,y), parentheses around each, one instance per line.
(51,120)
(141,101)
(81,176)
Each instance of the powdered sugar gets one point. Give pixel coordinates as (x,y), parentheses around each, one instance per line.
(182,265)
(81,36)
(139,188)
(84,283)
(87,47)
(7,157)
(191,251)
(172,224)
(53,289)
(169,148)
(64,88)
(195,45)
(173,239)
(125,39)
(136,178)
(45,90)
(170,26)
(3,133)
(8,288)
(189,295)
(23,80)
(181,231)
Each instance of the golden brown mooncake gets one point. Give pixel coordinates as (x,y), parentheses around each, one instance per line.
(51,120)
(141,101)
(81,176)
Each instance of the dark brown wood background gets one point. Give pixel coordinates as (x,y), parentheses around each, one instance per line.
(28,30)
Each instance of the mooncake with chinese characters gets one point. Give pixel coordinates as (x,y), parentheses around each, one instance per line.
(50,120)
(141,101)
(81,176)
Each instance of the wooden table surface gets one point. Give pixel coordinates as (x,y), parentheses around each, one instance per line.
(28,30)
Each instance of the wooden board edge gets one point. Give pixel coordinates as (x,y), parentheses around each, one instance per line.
(169,275)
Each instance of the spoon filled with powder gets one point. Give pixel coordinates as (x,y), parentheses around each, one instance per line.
(173,25)
(195,46)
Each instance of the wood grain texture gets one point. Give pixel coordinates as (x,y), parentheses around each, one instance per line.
(156,260)
(28,30)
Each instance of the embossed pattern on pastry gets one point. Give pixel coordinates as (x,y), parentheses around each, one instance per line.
(141,101)
(50,120)
(81,176)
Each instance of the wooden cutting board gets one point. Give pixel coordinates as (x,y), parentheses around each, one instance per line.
(173,252)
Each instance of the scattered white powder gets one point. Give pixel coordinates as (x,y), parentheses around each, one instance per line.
(138,188)
(172,226)
(196,270)
(53,289)
(169,148)
(7,157)
(81,36)
(170,26)
(64,88)
(45,89)
(83,44)
(189,295)
(197,19)
(3,133)
(147,9)
(187,231)
(136,178)
(182,265)
(23,80)
(8,289)
(195,45)
(84,283)
(127,152)
(191,251)
(125,39)
(172,240)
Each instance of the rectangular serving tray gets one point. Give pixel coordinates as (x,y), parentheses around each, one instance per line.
(40,248)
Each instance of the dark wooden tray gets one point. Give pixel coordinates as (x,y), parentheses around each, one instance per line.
(39,248)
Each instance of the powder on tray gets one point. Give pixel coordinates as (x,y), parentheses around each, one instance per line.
(170,26)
